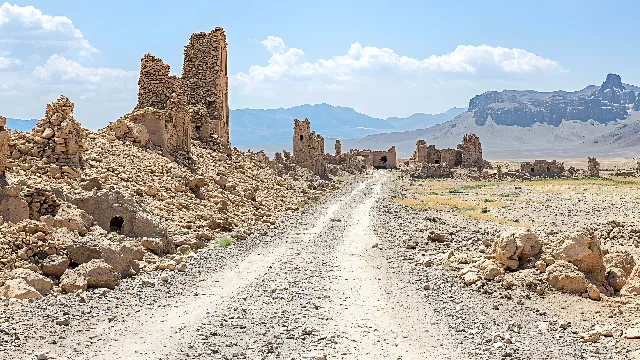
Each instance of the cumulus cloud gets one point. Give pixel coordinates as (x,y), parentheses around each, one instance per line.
(381,82)
(57,67)
(6,63)
(26,29)
(289,63)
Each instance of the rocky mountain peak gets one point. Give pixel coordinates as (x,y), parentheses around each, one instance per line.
(602,104)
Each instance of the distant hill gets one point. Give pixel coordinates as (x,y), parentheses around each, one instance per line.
(22,125)
(599,121)
(250,127)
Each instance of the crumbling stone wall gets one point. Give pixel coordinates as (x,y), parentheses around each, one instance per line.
(155,85)
(109,207)
(543,168)
(593,167)
(204,86)
(4,150)
(471,151)
(448,157)
(468,154)
(420,153)
(433,171)
(205,80)
(169,128)
(59,137)
(380,159)
(308,147)
(41,202)
(338,148)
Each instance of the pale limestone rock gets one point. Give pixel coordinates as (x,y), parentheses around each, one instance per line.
(19,289)
(565,276)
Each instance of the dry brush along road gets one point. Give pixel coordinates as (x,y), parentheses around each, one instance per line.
(331,282)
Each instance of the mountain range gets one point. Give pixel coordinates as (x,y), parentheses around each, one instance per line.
(250,127)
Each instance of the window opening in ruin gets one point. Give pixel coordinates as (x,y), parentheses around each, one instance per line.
(437,161)
(301,137)
(383,159)
(533,170)
(116,223)
(548,169)
(198,128)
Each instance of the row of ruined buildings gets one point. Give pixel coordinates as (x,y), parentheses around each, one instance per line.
(308,152)
(428,161)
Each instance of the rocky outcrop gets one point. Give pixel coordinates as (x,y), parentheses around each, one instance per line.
(524,108)
(583,250)
(513,248)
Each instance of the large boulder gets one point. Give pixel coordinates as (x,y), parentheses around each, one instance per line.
(514,247)
(19,289)
(71,281)
(119,255)
(632,285)
(583,250)
(565,276)
(35,280)
(99,274)
(55,265)
(620,259)
(158,246)
(617,278)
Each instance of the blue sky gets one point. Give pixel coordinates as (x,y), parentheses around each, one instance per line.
(383,58)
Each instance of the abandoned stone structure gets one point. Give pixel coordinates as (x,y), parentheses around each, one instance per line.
(543,168)
(338,148)
(169,128)
(114,212)
(58,137)
(471,151)
(198,98)
(468,153)
(433,171)
(380,159)
(308,147)
(593,167)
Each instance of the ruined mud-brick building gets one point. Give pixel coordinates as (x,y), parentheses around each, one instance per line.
(593,167)
(308,147)
(542,168)
(467,154)
(380,159)
(59,138)
(174,109)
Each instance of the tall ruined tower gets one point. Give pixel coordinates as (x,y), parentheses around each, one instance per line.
(205,82)
(4,149)
(308,147)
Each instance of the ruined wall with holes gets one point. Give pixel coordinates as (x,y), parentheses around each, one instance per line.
(379,159)
(308,147)
(467,154)
(105,206)
(542,168)
(203,87)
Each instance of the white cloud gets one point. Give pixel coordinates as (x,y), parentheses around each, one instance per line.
(380,82)
(6,63)
(57,67)
(289,63)
(27,29)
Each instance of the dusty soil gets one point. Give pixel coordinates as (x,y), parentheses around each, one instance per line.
(336,280)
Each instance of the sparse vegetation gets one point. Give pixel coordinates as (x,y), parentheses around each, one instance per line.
(225,242)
